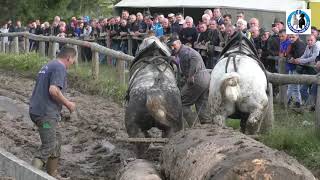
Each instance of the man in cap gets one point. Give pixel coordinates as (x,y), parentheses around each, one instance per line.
(175,27)
(278,23)
(196,87)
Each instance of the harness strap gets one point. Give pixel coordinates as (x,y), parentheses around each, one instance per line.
(156,61)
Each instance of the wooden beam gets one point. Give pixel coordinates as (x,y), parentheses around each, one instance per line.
(276,78)
(93,46)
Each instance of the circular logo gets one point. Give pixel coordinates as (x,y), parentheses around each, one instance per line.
(298,21)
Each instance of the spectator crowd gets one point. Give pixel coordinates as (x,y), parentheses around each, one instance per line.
(212,31)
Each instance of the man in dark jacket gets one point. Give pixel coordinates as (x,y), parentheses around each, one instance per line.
(197,79)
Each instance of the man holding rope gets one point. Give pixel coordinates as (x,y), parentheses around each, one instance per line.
(196,87)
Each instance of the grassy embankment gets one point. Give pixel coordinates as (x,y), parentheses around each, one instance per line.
(292,133)
(80,79)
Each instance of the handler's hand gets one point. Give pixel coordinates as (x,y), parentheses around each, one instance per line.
(71,106)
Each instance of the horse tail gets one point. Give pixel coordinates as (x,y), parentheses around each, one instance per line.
(230,88)
(155,104)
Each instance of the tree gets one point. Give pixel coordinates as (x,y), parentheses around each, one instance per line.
(45,10)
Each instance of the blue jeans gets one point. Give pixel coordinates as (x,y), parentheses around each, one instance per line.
(305,91)
(294,90)
(115,46)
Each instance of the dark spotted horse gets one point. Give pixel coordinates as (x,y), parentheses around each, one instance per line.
(153,97)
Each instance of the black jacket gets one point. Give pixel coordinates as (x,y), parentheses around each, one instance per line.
(297,49)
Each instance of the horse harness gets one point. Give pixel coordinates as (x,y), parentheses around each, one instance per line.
(142,63)
(243,50)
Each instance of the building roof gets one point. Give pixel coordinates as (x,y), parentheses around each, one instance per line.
(266,5)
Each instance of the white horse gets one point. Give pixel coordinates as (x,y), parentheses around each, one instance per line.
(238,86)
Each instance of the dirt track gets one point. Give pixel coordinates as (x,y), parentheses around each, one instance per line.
(86,152)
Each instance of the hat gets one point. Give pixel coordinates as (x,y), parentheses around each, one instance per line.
(277,20)
(172,39)
(171,15)
(149,17)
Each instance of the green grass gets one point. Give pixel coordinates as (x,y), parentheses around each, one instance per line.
(25,63)
(295,134)
(234,123)
(80,79)
(107,84)
(292,133)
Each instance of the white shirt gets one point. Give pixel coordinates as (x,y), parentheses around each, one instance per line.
(2,30)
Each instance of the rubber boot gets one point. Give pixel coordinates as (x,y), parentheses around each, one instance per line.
(37,163)
(52,166)
(52,169)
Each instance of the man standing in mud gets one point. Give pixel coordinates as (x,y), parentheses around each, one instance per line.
(45,107)
(196,87)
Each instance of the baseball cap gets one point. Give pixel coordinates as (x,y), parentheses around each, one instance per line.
(171,15)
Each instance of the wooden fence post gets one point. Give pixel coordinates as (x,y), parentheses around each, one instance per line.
(50,54)
(3,45)
(42,48)
(15,45)
(121,70)
(108,43)
(7,47)
(282,88)
(317,108)
(80,54)
(76,62)
(53,46)
(130,45)
(95,64)
(267,123)
(26,45)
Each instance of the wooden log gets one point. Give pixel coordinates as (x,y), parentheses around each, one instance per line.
(209,152)
(267,122)
(42,48)
(95,65)
(138,169)
(142,140)
(26,45)
(15,45)
(276,78)
(121,71)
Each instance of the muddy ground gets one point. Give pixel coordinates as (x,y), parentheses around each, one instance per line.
(88,150)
